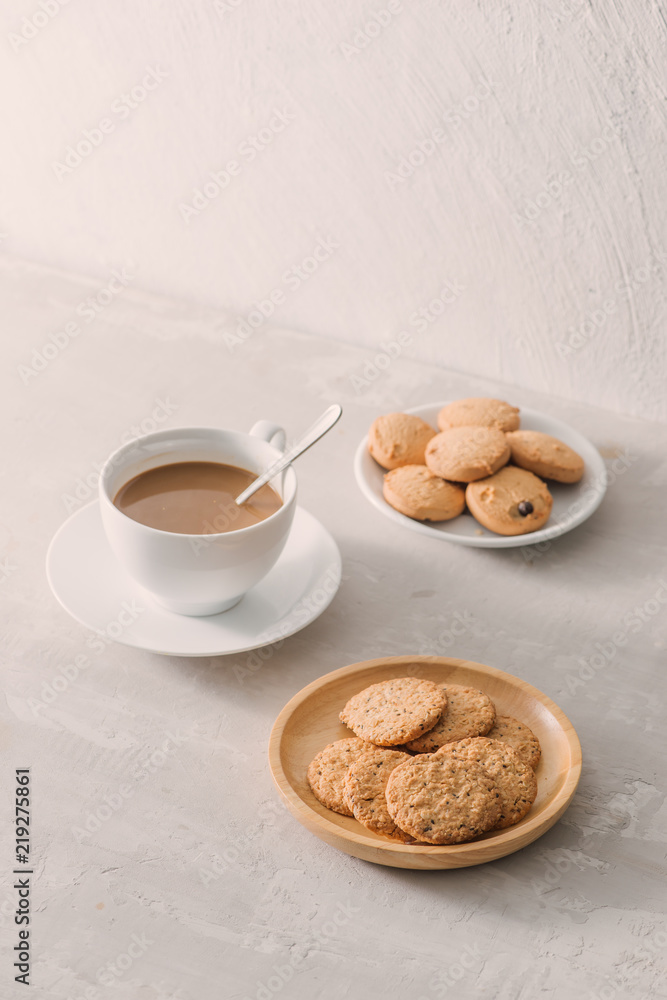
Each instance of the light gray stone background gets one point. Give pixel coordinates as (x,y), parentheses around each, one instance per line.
(166,867)
(492,176)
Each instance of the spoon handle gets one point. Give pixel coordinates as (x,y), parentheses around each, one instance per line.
(323,424)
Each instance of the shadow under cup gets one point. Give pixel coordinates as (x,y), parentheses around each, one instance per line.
(197,574)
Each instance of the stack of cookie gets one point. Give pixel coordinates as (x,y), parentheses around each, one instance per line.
(430,763)
(480,459)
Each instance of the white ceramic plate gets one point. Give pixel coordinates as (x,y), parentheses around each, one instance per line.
(572,503)
(93,587)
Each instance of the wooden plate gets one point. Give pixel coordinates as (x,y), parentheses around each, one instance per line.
(310,721)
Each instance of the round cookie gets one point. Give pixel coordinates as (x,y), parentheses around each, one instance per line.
(365,785)
(442,800)
(545,456)
(517,735)
(326,772)
(399,439)
(511,502)
(465,454)
(514,779)
(415,491)
(480,412)
(469,712)
(393,712)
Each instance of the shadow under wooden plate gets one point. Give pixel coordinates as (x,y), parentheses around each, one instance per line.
(310,721)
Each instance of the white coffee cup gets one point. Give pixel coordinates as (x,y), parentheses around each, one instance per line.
(198,574)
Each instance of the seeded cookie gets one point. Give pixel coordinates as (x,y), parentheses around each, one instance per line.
(413,490)
(394,712)
(442,800)
(479,412)
(517,735)
(365,785)
(469,712)
(512,502)
(467,453)
(545,456)
(514,778)
(399,439)
(326,772)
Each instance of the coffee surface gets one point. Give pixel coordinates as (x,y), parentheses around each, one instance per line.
(195,498)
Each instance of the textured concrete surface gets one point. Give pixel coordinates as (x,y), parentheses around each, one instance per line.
(157,832)
(491,178)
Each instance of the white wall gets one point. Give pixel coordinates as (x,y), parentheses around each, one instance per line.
(540,211)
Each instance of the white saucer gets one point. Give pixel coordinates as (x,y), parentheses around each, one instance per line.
(572,503)
(93,587)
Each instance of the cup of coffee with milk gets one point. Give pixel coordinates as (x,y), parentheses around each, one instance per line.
(169,510)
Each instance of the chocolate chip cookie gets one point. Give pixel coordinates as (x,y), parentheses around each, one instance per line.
(464,454)
(480,412)
(415,491)
(399,439)
(546,456)
(511,502)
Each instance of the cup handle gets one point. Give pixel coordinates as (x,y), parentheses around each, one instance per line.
(269,432)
